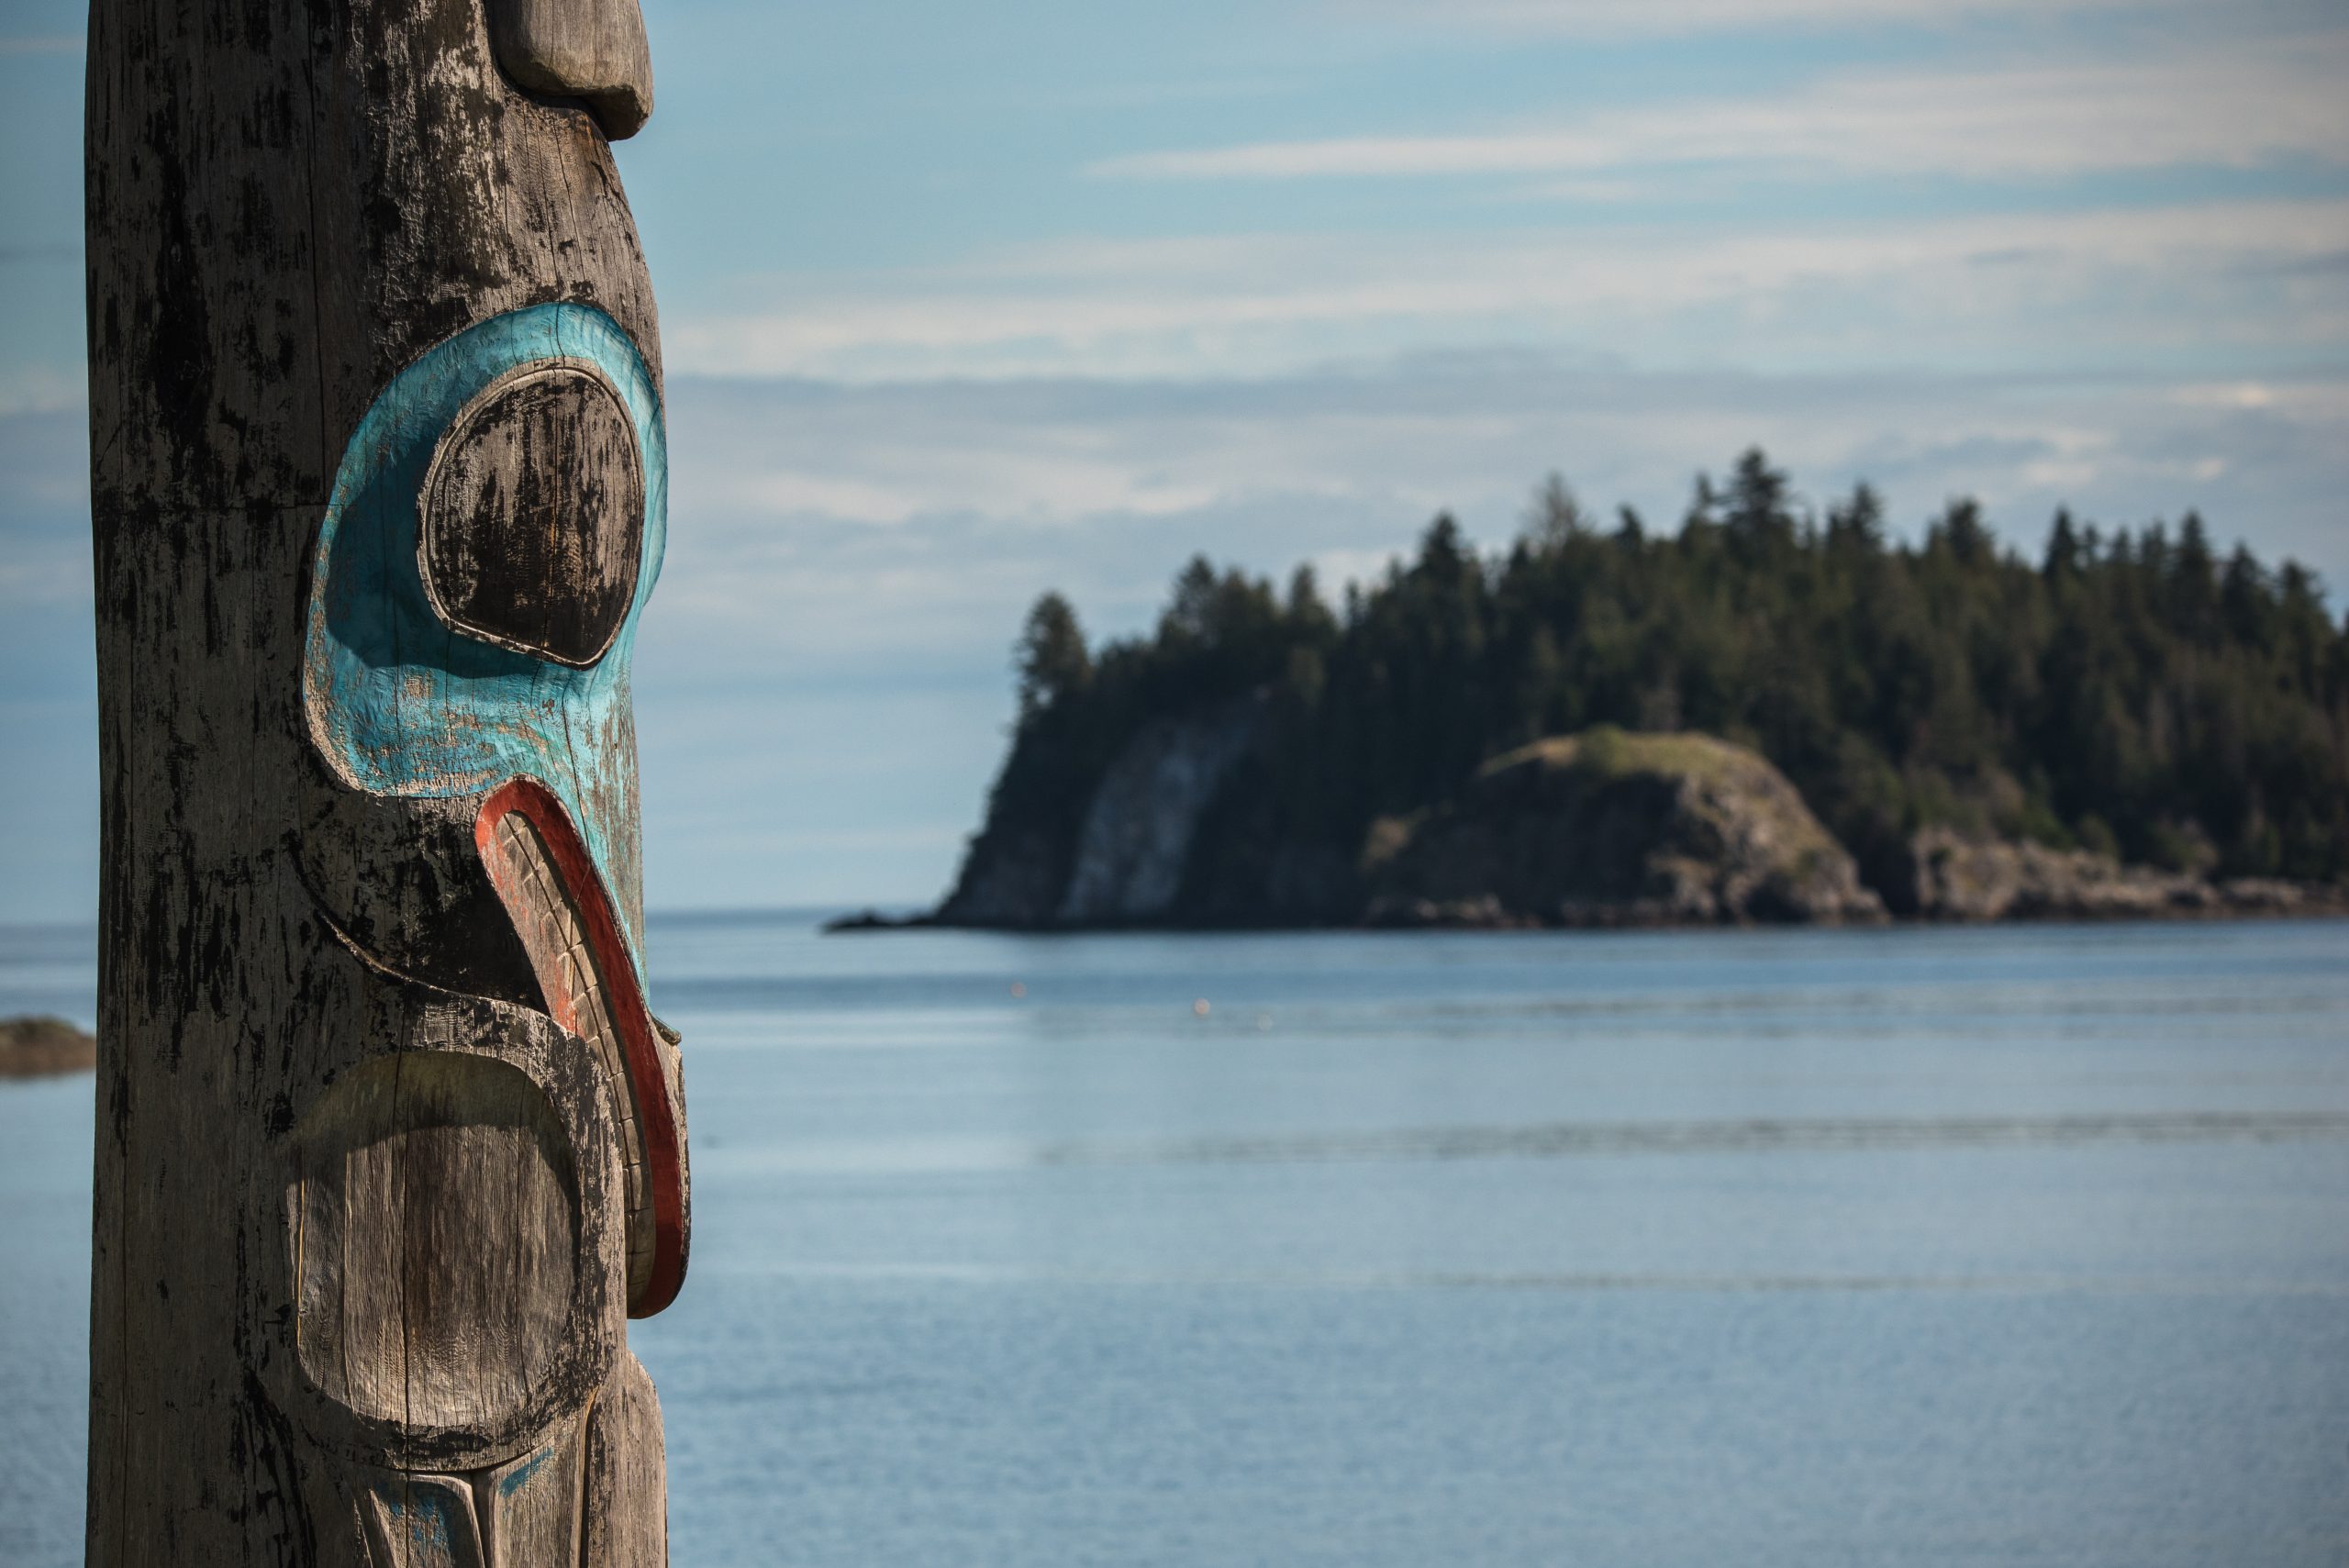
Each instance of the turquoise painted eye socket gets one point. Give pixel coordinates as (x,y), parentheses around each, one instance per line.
(471,620)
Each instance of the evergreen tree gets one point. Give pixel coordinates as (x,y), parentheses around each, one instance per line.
(1051,657)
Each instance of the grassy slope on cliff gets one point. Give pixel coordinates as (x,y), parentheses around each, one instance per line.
(2128,692)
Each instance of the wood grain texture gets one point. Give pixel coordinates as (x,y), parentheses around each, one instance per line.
(626,1482)
(288,202)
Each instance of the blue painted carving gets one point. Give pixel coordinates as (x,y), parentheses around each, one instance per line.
(399,703)
(428,1521)
(521,1474)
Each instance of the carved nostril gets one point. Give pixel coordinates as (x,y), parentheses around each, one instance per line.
(594,49)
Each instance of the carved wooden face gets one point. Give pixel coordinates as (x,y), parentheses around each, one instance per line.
(493,535)
(474,1208)
(495,529)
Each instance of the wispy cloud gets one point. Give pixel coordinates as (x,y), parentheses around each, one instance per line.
(1614,19)
(993,493)
(2247,108)
(39,388)
(55,43)
(2002,286)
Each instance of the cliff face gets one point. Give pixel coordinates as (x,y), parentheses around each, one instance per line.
(1127,856)
(1610,829)
(1139,834)
(1010,879)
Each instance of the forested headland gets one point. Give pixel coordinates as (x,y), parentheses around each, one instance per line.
(2138,693)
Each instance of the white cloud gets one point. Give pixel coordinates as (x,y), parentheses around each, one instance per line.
(36,388)
(2237,108)
(1614,18)
(1342,468)
(2007,289)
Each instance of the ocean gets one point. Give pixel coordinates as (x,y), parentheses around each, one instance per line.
(2025,1245)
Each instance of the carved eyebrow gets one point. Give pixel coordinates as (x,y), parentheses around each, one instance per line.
(593,49)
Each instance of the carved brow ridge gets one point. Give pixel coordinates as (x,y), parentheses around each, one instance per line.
(590,49)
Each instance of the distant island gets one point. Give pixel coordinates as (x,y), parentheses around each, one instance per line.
(1765,716)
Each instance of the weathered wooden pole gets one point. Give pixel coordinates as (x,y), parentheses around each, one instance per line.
(389,1146)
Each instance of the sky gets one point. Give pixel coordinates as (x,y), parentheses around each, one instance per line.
(963,303)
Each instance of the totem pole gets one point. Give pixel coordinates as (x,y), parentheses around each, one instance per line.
(389,1145)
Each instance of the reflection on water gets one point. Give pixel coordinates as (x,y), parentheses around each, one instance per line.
(2017,1246)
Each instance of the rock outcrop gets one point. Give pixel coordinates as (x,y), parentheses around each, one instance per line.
(1947,876)
(43,1047)
(1608,829)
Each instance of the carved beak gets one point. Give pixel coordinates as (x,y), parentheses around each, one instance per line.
(564,915)
(590,49)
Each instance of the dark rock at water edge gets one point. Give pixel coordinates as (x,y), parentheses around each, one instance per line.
(1947,876)
(1608,829)
(874,920)
(44,1047)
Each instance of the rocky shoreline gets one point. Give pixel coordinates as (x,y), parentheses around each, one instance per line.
(44,1047)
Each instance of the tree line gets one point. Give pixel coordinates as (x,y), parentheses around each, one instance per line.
(2130,691)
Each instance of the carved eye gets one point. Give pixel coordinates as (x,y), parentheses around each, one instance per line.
(532,515)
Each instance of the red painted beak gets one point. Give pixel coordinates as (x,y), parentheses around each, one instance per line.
(563,912)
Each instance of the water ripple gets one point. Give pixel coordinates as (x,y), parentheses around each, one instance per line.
(1769,1134)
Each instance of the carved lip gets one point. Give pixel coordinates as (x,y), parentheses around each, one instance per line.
(563,912)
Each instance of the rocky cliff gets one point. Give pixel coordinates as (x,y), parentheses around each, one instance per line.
(1127,859)
(1604,829)
(1608,829)
(1183,825)
(1138,833)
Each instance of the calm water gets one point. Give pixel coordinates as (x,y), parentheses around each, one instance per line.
(2012,1247)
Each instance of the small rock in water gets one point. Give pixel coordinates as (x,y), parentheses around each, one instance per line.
(41,1047)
